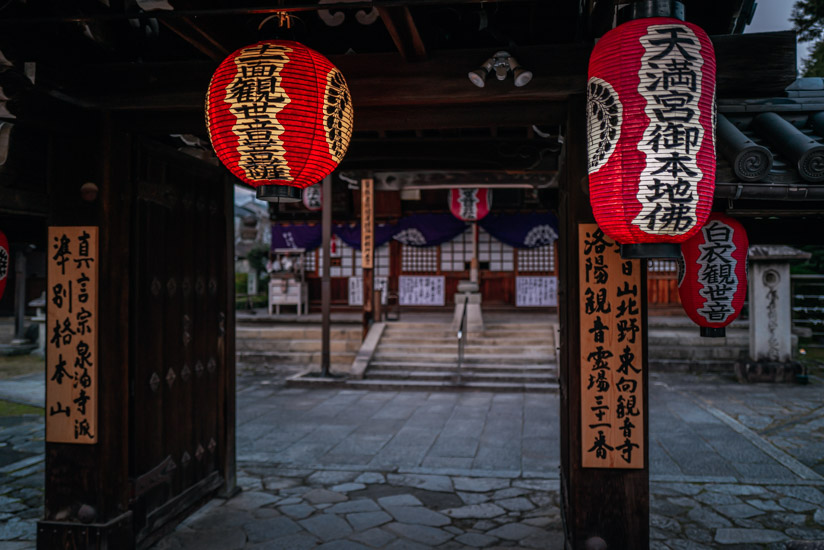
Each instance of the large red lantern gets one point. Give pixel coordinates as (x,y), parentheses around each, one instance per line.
(5,262)
(712,274)
(279,116)
(651,133)
(470,205)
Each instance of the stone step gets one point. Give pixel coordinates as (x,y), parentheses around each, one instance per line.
(692,365)
(452,339)
(267,344)
(470,348)
(682,321)
(489,326)
(465,376)
(685,352)
(734,338)
(535,368)
(297,332)
(475,358)
(404,385)
(445,330)
(294,357)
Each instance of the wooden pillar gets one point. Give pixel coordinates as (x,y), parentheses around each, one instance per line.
(326,282)
(228,374)
(87,485)
(473,266)
(598,503)
(367,251)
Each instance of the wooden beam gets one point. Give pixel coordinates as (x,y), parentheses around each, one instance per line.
(326,281)
(749,65)
(404,33)
(37,17)
(192,33)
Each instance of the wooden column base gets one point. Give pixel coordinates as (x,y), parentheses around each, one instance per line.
(61,535)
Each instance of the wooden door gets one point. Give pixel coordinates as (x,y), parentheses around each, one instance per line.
(182,368)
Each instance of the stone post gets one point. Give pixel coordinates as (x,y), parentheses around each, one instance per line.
(770,306)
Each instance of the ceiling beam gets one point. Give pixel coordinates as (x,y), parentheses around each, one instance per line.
(83,16)
(398,21)
(192,33)
(749,65)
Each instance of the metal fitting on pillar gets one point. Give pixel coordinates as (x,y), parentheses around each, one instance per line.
(651,8)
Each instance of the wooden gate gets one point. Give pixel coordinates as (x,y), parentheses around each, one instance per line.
(182,367)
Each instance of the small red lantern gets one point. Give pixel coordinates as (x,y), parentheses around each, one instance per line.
(313,197)
(5,262)
(651,133)
(279,115)
(470,205)
(712,274)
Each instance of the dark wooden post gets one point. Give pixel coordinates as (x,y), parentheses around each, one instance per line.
(326,283)
(597,503)
(87,486)
(367,250)
(228,374)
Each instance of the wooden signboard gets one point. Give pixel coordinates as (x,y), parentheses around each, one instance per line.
(71,335)
(612,422)
(367,223)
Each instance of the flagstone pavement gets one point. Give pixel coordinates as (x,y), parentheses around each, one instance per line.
(732,466)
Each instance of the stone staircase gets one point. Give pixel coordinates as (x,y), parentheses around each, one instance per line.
(676,346)
(294,345)
(504,357)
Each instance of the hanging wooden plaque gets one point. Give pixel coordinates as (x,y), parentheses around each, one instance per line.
(71,335)
(612,419)
(367,223)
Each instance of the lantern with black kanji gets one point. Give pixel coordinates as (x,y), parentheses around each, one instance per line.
(470,205)
(712,274)
(651,137)
(279,115)
(5,262)
(313,197)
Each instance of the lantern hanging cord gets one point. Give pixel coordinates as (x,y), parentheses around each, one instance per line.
(282,18)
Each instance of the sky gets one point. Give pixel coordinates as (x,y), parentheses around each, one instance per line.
(774,15)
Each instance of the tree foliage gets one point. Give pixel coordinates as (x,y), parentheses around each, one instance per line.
(257,257)
(808,21)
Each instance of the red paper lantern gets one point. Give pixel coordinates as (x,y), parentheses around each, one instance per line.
(470,205)
(712,274)
(313,197)
(651,131)
(5,262)
(279,116)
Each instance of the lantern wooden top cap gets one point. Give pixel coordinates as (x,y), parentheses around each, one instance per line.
(642,9)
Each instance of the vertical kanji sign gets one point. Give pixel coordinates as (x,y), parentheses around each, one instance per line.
(612,421)
(367,223)
(71,336)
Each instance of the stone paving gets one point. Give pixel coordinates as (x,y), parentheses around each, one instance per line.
(732,466)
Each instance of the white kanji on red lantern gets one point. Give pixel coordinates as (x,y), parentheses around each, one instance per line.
(313,197)
(650,122)
(470,205)
(712,278)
